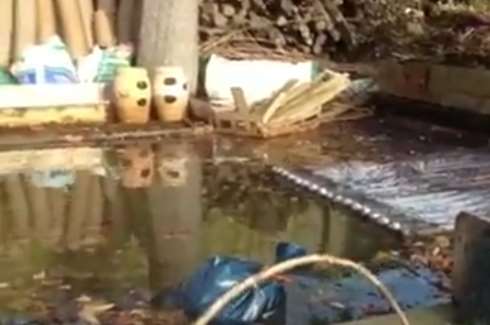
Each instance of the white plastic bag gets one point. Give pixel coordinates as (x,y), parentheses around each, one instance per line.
(258,79)
(46,63)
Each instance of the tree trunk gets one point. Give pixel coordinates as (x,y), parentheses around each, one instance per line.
(169,36)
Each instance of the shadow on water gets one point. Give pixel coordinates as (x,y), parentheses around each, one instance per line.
(106,221)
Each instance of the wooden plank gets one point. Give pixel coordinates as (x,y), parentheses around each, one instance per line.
(6,28)
(19,161)
(310,102)
(278,100)
(45,95)
(66,115)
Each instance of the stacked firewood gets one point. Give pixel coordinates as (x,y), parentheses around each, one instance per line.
(345,29)
(82,24)
(311,26)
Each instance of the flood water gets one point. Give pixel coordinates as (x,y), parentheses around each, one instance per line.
(108,222)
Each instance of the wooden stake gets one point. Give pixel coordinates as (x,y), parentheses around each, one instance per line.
(6,27)
(25,26)
(86,9)
(72,27)
(46,22)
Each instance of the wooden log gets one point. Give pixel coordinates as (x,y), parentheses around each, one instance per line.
(25,26)
(169,36)
(471,283)
(104,31)
(6,28)
(46,21)
(86,10)
(72,27)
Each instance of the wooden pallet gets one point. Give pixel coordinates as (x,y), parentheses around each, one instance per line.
(294,108)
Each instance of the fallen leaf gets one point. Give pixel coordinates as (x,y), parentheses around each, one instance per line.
(90,312)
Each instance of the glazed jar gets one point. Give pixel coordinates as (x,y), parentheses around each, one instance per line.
(170,93)
(137,167)
(132,95)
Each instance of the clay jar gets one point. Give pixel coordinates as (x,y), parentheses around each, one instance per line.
(132,95)
(170,93)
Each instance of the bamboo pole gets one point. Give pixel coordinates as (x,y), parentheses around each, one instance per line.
(19,206)
(6,27)
(58,202)
(78,210)
(72,27)
(40,212)
(104,31)
(125,22)
(25,26)
(86,10)
(46,21)
(93,224)
(110,8)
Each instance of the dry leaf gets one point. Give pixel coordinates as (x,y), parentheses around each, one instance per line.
(90,312)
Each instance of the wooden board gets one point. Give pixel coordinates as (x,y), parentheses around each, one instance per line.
(18,117)
(46,95)
(20,161)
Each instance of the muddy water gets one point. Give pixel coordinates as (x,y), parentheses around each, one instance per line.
(109,222)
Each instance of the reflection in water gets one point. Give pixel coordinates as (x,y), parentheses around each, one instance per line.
(148,215)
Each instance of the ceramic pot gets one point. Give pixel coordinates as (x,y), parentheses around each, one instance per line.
(137,167)
(132,95)
(170,93)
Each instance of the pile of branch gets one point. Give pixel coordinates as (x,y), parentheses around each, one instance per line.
(345,29)
(310,26)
